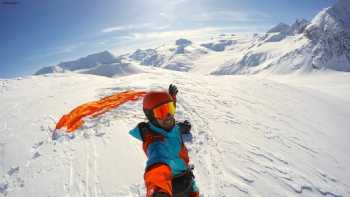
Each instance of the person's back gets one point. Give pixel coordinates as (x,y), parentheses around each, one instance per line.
(168,172)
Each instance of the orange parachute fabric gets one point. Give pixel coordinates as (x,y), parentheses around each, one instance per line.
(74,119)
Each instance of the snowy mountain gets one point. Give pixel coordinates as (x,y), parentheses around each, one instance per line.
(329,33)
(298,27)
(262,54)
(302,47)
(50,69)
(179,56)
(252,136)
(90,61)
(281,31)
(280,28)
(104,64)
(220,45)
(114,70)
(148,57)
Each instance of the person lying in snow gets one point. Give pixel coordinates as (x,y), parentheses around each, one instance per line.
(168,173)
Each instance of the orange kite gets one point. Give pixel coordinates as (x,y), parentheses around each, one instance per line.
(74,119)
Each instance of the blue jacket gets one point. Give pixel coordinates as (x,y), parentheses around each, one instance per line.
(168,149)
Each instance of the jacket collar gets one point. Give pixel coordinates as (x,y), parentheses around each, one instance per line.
(160,130)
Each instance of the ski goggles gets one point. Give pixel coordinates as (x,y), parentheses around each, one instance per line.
(162,111)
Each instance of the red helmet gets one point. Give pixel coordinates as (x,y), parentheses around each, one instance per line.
(154,99)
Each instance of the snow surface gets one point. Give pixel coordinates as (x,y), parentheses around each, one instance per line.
(261,135)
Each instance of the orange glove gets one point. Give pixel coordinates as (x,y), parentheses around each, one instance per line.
(194,194)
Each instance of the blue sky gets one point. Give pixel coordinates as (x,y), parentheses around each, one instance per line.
(38,33)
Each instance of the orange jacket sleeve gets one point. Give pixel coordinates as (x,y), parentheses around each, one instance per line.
(158,178)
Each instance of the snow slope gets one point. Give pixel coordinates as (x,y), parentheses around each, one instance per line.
(253,136)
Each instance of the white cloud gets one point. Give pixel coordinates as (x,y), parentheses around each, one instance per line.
(117,28)
(58,50)
(174,3)
(154,39)
(229,16)
(191,33)
(157,38)
(127,27)
(196,34)
(187,12)
(170,9)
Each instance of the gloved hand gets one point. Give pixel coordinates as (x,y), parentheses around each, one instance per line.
(185,127)
(173,90)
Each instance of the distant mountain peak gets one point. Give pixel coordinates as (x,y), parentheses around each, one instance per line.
(298,26)
(280,28)
(50,69)
(104,57)
(85,63)
(147,57)
(341,9)
(183,42)
(333,19)
(219,45)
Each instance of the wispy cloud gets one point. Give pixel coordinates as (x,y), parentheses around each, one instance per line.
(174,3)
(173,34)
(203,33)
(157,38)
(58,50)
(188,11)
(127,27)
(66,49)
(227,16)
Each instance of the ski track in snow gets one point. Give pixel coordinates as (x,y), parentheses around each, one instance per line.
(267,162)
(206,148)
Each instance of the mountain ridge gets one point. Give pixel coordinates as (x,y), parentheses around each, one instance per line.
(302,47)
